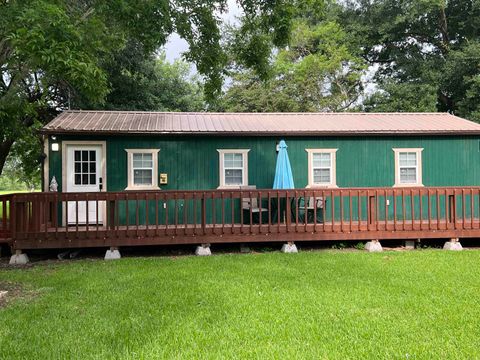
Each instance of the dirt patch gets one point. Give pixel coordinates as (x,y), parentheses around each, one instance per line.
(4,265)
(10,291)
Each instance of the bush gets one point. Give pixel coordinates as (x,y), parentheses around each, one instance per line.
(360,246)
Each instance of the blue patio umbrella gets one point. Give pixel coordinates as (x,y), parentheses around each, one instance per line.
(283,180)
(283,171)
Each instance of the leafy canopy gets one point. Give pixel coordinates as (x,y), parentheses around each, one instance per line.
(319,70)
(427,52)
(56,53)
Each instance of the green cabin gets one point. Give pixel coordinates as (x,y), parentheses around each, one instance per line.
(88,151)
(117,151)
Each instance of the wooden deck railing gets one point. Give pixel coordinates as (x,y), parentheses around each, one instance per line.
(5,201)
(39,220)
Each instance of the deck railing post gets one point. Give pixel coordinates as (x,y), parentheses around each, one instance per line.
(204,214)
(288,211)
(111,214)
(13,221)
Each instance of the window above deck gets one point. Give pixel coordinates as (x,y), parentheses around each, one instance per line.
(322,170)
(233,165)
(408,167)
(142,169)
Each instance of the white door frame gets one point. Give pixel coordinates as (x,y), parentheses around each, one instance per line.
(103,166)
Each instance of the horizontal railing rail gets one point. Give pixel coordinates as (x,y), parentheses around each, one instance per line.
(170,217)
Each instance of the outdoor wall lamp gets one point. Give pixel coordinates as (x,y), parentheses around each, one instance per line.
(55,146)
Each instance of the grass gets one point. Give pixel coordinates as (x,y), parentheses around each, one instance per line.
(6,192)
(331,304)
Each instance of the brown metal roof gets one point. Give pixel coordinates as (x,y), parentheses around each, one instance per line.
(255,124)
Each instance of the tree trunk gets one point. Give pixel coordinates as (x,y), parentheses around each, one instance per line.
(5,147)
(446,101)
(443,27)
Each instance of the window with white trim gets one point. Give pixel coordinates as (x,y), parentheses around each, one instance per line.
(142,169)
(322,167)
(408,167)
(233,167)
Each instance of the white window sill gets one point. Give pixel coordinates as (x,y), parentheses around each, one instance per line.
(317,186)
(142,188)
(230,187)
(407,185)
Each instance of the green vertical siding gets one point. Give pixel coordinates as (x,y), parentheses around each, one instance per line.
(193,162)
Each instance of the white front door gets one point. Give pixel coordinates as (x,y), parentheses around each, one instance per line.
(84,174)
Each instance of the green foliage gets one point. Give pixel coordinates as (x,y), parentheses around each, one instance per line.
(252,42)
(402,97)
(248,93)
(148,82)
(13,178)
(318,71)
(339,246)
(313,305)
(47,50)
(423,49)
(360,246)
(56,53)
(461,80)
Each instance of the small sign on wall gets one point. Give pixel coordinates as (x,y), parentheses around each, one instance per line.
(163,179)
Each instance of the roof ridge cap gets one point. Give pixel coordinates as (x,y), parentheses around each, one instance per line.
(325,113)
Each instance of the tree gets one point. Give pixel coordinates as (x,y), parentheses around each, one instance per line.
(430,45)
(402,97)
(148,82)
(52,51)
(317,71)
(249,93)
(460,80)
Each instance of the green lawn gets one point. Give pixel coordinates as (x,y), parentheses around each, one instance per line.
(5,192)
(325,304)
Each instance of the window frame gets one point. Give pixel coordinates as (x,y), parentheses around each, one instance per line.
(419,180)
(333,168)
(221,157)
(130,174)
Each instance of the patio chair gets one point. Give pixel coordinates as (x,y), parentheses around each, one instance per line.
(312,204)
(252,204)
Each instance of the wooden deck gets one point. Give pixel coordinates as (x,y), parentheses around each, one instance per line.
(37,220)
